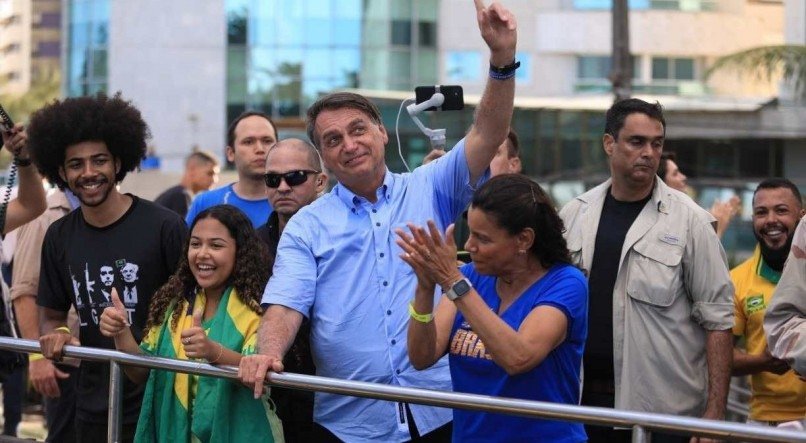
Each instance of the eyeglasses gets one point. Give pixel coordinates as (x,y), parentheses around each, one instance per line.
(292,178)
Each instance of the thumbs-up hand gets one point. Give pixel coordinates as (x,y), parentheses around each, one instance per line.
(195,341)
(114,319)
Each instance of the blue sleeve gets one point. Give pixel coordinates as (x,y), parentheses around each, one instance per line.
(293,280)
(450,177)
(568,293)
(194,209)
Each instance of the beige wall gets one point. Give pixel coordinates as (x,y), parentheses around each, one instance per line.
(18,33)
(24,32)
(555,34)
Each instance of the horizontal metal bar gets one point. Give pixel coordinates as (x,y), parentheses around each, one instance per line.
(590,415)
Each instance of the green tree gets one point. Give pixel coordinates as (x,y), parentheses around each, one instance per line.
(787,62)
(44,89)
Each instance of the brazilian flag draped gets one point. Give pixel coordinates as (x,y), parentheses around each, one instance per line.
(187,408)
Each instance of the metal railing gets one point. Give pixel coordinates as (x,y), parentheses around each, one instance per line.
(642,423)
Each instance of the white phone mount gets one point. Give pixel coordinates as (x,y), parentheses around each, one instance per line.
(436,136)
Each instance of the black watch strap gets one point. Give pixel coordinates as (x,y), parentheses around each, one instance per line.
(505,69)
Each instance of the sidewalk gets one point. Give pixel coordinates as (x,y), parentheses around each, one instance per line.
(32,426)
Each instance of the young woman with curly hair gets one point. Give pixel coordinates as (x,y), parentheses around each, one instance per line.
(208,310)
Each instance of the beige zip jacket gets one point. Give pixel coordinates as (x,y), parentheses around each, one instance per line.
(672,287)
(785,320)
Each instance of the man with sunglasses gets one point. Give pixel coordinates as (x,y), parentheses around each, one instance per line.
(249,138)
(294,177)
(339,266)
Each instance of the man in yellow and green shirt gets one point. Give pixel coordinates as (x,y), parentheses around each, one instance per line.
(778,394)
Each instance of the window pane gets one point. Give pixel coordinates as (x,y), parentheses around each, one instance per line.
(99,63)
(462,65)
(428,34)
(401,32)
(660,68)
(684,69)
(347,32)
(236,27)
(593,67)
(524,73)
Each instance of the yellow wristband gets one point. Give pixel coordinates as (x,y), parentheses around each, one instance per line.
(64,329)
(422,318)
(35,357)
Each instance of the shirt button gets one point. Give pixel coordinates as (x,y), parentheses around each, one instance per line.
(397,371)
(381,254)
(394,342)
(353,210)
(377,223)
(374,211)
(386,283)
(389,312)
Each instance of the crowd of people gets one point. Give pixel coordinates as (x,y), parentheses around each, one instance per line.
(622,298)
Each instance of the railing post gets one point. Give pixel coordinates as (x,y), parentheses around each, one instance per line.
(115,402)
(640,435)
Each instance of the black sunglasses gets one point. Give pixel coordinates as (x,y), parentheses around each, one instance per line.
(292,178)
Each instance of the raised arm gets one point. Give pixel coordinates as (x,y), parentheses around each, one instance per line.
(491,124)
(30,201)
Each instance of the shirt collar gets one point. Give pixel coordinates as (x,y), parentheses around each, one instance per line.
(763,270)
(384,192)
(65,199)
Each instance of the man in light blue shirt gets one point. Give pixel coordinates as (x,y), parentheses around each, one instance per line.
(249,138)
(338,264)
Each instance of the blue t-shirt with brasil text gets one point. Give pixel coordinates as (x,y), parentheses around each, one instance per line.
(556,379)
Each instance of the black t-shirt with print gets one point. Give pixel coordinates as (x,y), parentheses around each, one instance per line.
(81,263)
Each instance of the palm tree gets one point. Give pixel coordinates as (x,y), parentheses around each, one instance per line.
(768,62)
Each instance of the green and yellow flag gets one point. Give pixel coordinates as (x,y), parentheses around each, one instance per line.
(187,408)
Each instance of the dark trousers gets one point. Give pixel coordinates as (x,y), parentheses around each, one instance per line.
(87,432)
(295,410)
(60,413)
(441,434)
(13,390)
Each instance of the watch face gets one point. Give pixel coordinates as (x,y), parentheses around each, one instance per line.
(461,288)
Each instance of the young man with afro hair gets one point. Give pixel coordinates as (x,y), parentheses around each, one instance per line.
(88,145)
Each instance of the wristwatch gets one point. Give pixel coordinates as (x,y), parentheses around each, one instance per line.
(459,289)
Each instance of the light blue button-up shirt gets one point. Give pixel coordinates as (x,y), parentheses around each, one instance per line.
(338,264)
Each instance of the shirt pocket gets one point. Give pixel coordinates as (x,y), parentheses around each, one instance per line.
(654,272)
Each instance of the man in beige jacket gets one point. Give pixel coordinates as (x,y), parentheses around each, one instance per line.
(661,299)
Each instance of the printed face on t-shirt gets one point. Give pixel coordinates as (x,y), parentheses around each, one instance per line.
(129,272)
(107,275)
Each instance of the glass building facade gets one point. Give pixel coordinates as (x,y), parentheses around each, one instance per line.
(86,62)
(282,55)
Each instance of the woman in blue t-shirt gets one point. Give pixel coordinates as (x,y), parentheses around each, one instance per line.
(513,321)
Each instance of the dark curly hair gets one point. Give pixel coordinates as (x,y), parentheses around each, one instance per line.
(249,276)
(111,120)
(515,203)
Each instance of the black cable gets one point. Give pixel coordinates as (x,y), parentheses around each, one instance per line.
(6,124)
